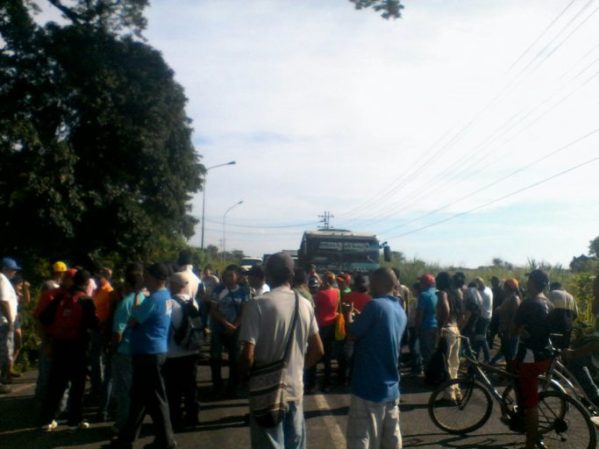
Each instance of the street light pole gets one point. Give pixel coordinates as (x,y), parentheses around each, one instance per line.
(204,196)
(225,226)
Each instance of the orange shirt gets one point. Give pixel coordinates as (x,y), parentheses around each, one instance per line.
(102,299)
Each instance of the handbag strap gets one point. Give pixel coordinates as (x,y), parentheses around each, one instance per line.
(292,329)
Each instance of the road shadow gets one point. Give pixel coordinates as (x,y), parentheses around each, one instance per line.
(488,441)
(340,411)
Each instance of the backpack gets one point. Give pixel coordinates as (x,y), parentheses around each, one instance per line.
(69,318)
(189,335)
(436,371)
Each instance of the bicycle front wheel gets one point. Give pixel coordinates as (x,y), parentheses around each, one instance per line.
(460,406)
(564,422)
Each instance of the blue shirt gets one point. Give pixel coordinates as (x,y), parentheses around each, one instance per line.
(378,331)
(229,303)
(122,314)
(427,304)
(153,316)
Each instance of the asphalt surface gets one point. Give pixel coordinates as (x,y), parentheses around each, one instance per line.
(223,423)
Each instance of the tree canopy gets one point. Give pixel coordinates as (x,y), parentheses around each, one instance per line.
(94,141)
(389,9)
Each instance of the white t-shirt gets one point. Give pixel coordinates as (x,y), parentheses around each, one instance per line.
(174,350)
(266,322)
(193,282)
(487,303)
(8,294)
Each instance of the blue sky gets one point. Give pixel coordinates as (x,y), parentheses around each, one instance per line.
(384,122)
(394,126)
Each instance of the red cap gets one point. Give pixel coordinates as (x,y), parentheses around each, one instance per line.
(427,279)
(70,273)
(345,278)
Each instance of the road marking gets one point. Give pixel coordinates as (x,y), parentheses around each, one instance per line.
(337,436)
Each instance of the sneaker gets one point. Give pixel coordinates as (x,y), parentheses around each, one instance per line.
(51,427)
(79,425)
(595,420)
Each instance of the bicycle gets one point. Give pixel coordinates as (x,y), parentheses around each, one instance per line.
(463,405)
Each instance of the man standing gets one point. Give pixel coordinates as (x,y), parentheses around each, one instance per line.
(563,315)
(8,314)
(426,317)
(265,329)
(532,359)
(151,321)
(373,420)
(256,279)
(192,287)
(482,328)
(59,268)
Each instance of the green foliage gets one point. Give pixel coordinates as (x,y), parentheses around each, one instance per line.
(583,264)
(594,247)
(580,285)
(389,9)
(95,143)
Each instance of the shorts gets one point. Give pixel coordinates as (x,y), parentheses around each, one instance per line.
(527,382)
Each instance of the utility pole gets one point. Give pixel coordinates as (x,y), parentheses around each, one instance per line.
(325,219)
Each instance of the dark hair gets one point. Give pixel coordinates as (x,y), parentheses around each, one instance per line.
(159,271)
(397,272)
(555,286)
(185,257)
(280,269)
(256,271)
(443,280)
(361,283)
(135,279)
(459,279)
(299,277)
(81,279)
(234,267)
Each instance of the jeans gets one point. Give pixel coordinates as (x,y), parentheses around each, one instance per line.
(231,343)
(122,373)
(373,424)
(414,345)
(96,362)
(290,433)
(148,395)
(41,386)
(428,343)
(480,339)
(327,335)
(7,334)
(180,375)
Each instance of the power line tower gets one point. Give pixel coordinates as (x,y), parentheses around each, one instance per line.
(325,219)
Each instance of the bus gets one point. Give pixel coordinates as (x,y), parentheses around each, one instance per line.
(339,250)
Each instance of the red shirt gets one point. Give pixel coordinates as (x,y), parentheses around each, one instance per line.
(326,302)
(358,299)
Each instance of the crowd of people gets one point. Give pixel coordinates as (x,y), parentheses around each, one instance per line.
(138,337)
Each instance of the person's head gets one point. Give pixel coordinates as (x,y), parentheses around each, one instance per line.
(104,274)
(9,267)
(177,283)
(155,276)
(81,280)
(480,283)
(417,287)
(495,282)
(511,285)
(343,280)
(397,274)
(361,283)
(185,258)
(313,285)
(459,279)
(311,268)
(383,282)
(538,281)
(59,268)
(134,279)
(328,280)
(555,286)
(231,277)
(208,270)
(67,278)
(280,269)
(443,280)
(256,276)
(427,281)
(299,277)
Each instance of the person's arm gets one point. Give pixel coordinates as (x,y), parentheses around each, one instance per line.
(216,315)
(246,361)
(141,312)
(419,314)
(314,352)
(362,323)
(442,309)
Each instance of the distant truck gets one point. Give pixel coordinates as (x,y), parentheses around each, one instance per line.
(339,250)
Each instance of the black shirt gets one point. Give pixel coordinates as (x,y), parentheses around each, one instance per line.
(532,314)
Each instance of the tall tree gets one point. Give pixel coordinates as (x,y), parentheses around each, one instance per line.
(594,247)
(389,9)
(95,144)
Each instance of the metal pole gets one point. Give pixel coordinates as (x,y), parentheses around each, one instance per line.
(204,197)
(225,226)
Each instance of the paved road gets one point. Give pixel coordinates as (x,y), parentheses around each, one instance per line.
(223,423)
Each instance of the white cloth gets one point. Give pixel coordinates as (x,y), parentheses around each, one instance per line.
(8,295)
(373,425)
(486,295)
(260,291)
(174,350)
(265,323)
(193,282)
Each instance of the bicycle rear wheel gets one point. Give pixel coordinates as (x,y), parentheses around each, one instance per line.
(564,422)
(460,406)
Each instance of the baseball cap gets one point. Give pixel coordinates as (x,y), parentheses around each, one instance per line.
(344,277)
(10,263)
(59,267)
(427,279)
(539,277)
(70,273)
